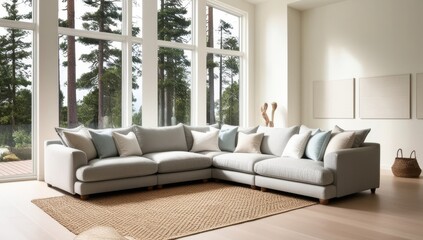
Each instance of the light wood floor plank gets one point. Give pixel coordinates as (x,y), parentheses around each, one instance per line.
(394,212)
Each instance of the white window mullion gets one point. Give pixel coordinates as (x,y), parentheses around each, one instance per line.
(126,64)
(225,52)
(178,45)
(91,34)
(149,64)
(199,66)
(17,24)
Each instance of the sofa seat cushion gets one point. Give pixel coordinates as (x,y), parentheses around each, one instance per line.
(298,170)
(241,162)
(211,154)
(116,168)
(179,161)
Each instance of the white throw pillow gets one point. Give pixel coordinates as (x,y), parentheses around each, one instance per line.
(249,143)
(296,145)
(340,141)
(127,145)
(205,141)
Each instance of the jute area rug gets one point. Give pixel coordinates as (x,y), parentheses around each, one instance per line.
(171,212)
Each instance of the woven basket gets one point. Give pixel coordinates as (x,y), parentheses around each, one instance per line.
(406,167)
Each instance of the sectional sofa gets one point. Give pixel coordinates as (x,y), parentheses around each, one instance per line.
(298,160)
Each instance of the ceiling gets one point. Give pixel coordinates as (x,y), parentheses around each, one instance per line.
(302,5)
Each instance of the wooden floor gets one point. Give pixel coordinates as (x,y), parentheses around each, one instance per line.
(12,168)
(394,212)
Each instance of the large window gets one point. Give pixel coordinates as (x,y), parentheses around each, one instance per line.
(16,88)
(223,67)
(93,72)
(101,60)
(174,20)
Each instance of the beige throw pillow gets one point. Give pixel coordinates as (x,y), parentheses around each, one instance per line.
(81,141)
(249,143)
(340,141)
(127,145)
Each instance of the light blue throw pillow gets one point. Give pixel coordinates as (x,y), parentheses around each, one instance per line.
(104,143)
(227,138)
(317,144)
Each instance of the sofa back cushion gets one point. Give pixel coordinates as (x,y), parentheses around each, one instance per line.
(275,139)
(161,139)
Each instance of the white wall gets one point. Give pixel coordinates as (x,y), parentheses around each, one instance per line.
(271,60)
(361,38)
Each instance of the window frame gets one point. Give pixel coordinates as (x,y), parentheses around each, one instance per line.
(244,85)
(29,26)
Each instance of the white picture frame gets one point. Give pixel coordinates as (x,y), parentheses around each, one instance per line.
(385,97)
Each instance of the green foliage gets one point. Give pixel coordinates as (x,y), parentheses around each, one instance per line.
(15,76)
(171,21)
(173,84)
(230,103)
(22,138)
(137,117)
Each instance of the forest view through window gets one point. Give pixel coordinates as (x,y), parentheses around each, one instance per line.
(91,68)
(16,88)
(223,70)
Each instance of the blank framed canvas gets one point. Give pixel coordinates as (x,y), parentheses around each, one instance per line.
(419,94)
(333,99)
(385,97)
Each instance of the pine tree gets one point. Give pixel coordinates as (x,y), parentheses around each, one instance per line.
(225,43)
(173,86)
(71,64)
(15,69)
(105,58)
(211,115)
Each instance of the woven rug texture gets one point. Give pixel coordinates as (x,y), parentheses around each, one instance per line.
(171,212)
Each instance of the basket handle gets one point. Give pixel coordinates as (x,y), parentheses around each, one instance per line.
(411,154)
(399,151)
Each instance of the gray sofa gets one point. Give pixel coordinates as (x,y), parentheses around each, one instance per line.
(166,158)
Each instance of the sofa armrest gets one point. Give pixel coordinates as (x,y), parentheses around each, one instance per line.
(60,165)
(355,169)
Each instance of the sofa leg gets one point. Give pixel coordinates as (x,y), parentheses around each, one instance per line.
(253,187)
(373,190)
(150,188)
(84,197)
(159,186)
(205,180)
(324,201)
(263,189)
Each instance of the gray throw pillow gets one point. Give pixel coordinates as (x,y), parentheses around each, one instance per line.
(161,139)
(275,139)
(104,143)
(60,131)
(360,135)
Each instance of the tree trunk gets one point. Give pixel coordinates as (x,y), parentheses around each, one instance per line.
(72,114)
(221,78)
(13,83)
(212,115)
(100,69)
